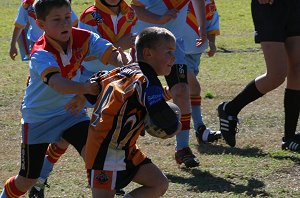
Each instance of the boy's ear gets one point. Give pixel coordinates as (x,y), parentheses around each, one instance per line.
(40,23)
(146,53)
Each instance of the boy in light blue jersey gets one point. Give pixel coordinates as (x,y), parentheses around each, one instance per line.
(26,31)
(53,104)
(113,21)
(171,14)
(115,27)
(192,56)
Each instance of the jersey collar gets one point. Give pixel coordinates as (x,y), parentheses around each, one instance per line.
(123,8)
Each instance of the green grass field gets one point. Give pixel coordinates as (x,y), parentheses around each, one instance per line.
(256,167)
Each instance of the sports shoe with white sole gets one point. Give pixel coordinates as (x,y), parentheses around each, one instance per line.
(206,135)
(120,192)
(228,125)
(290,144)
(38,190)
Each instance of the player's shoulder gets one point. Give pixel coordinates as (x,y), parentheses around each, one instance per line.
(76,30)
(139,2)
(27,3)
(39,57)
(130,14)
(80,36)
(89,15)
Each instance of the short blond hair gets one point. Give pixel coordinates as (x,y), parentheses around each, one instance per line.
(150,38)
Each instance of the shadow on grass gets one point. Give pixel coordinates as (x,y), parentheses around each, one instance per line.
(248,50)
(203,181)
(292,158)
(215,149)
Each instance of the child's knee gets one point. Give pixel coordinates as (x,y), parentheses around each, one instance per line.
(163,185)
(62,144)
(180,90)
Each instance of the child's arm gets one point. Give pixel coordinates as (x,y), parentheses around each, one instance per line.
(160,113)
(20,23)
(105,51)
(66,86)
(213,29)
(119,58)
(199,7)
(163,116)
(13,52)
(147,16)
(212,44)
(126,41)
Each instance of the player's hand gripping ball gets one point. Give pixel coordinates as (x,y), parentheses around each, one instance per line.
(154,130)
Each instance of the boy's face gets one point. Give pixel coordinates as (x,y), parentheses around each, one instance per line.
(162,57)
(58,24)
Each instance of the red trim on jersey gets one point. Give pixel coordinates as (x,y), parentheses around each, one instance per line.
(210,10)
(25,138)
(32,14)
(175,4)
(191,20)
(100,16)
(27,3)
(87,16)
(79,51)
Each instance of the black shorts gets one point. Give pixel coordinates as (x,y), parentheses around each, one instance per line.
(32,159)
(178,75)
(276,22)
(77,135)
(33,155)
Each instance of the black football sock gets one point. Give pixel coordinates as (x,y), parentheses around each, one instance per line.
(291,111)
(248,95)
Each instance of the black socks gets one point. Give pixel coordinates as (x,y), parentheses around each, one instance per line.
(291,110)
(248,95)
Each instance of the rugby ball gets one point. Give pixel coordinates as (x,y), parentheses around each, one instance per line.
(154,130)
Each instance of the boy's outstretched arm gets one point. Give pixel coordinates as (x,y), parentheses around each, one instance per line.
(119,58)
(66,86)
(147,16)
(126,41)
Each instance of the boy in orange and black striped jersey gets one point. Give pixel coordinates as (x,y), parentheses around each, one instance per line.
(113,158)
